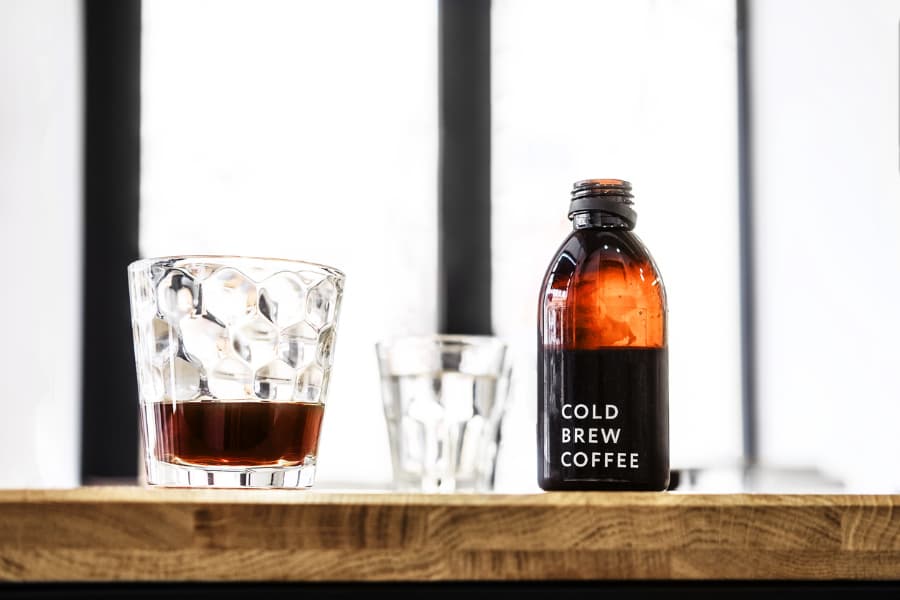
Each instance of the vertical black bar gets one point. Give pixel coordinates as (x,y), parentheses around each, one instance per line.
(464,172)
(747,258)
(112,33)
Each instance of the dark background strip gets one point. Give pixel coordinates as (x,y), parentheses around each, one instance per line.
(464,168)
(112,45)
(746,252)
(453,590)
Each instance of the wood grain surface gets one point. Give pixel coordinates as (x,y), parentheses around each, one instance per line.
(143,534)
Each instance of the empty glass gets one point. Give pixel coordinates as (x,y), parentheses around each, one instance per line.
(444,400)
(233,358)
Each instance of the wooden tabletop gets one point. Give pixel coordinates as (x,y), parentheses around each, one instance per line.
(140,534)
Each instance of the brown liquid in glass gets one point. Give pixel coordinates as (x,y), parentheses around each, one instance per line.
(242,433)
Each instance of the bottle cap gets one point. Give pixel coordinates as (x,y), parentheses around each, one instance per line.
(611,196)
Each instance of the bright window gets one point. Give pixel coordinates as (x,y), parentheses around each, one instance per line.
(638,90)
(304,130)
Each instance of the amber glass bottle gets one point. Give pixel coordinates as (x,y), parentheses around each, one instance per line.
(603,421)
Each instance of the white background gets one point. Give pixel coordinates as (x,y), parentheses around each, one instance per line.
(308,130)
(825,80)
(303,130)
(637,90)
(276,136)
(276,105)
(40,216)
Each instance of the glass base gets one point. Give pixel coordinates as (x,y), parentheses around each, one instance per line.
(413,483)
(170,475)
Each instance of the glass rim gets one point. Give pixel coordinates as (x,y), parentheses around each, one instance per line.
(226,258)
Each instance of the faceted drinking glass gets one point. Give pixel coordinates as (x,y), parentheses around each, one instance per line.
(233,359)
(444,400)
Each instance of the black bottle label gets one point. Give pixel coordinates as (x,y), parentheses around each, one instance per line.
(603,419)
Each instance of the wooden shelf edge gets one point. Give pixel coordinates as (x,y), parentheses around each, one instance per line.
(141,534)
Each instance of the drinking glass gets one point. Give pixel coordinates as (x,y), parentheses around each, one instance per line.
(233,359)
(444,400)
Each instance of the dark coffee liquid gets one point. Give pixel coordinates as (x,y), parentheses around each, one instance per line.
(249,434)
(603,419)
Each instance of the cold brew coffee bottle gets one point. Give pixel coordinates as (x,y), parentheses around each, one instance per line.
(603,421)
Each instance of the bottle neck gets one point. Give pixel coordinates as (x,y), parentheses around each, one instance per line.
(598,220)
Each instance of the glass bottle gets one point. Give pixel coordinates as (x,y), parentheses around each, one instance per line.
(603,421)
